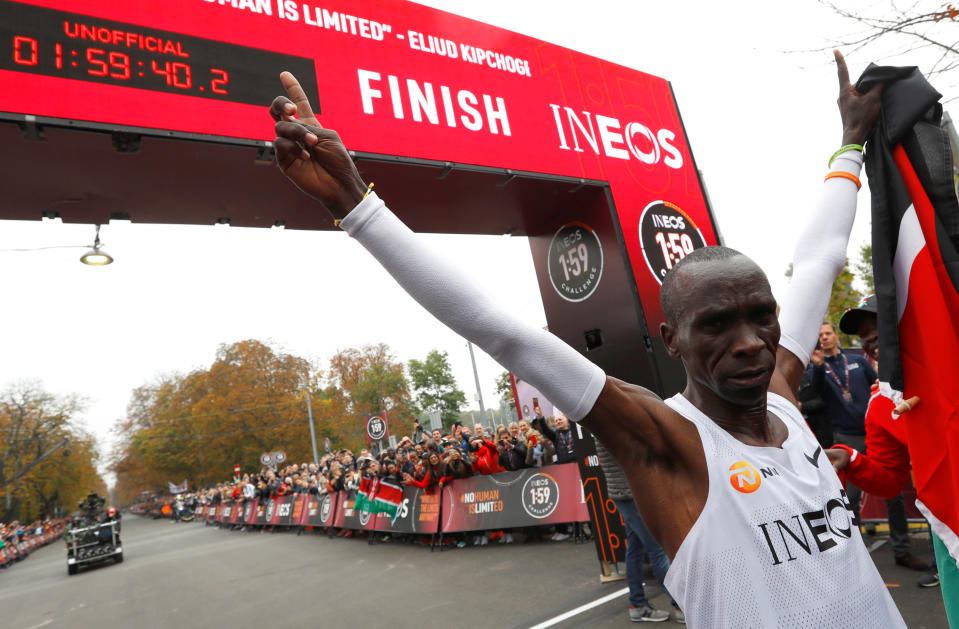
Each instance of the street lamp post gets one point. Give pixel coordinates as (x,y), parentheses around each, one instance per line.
(479,393)
(309,410)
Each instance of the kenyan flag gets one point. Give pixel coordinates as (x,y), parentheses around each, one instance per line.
(362,501)
(388,498)
(915,224)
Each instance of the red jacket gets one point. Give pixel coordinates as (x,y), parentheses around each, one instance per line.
(487,459)
(885,470)
(425,482)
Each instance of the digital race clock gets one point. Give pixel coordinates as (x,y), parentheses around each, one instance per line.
(44,41)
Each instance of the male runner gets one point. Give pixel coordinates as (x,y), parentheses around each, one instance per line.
(775,548)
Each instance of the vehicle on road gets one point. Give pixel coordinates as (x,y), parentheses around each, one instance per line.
(93,536)
(184,509)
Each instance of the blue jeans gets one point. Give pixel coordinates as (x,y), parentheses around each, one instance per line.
(639,541)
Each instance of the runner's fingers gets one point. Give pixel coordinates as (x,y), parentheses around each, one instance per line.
(282,109)
(299,98)
(840,66)
(296,132)
(287,152)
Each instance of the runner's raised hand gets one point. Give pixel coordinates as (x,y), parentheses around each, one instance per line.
(312,157)
(858,111)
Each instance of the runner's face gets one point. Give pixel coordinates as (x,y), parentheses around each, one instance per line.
(728,332)
(869,336)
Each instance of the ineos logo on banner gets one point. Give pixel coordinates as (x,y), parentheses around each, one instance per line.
(376,428)
(270,506)
(667,235)
(575,261)
(540,495)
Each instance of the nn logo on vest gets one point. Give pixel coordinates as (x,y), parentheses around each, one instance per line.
(744,477)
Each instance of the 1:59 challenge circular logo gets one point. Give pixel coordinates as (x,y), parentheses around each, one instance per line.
(667,235)
(376,428)
(575,261)
(326,508)
(540,495)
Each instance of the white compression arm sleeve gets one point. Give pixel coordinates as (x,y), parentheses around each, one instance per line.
(570,381)
(819,257)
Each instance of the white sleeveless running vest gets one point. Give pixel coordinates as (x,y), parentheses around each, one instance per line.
(775,546)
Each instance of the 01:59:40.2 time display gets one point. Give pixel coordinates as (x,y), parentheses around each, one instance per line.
(93,64)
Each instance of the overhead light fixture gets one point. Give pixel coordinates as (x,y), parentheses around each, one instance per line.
(96,256)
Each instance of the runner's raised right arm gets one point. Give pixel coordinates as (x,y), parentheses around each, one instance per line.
(317,162)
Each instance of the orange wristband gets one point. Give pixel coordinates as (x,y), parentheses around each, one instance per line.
(851,177)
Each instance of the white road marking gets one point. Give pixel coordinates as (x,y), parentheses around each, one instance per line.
(42,624)
(876,544)
(580,609)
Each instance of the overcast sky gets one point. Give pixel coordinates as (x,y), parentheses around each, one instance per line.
(761,120)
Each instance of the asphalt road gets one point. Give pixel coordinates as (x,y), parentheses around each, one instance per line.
(191,575)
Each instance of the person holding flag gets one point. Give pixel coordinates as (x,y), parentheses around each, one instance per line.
(915,246)
(885,470)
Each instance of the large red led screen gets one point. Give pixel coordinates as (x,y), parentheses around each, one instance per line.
(393,77)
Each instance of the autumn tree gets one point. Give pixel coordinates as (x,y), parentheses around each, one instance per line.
(435,387)
(252,399)
(197,426)
(61,480)
(47,460)
(370,379)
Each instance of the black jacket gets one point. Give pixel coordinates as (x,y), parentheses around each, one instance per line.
(514,458)
(562,440)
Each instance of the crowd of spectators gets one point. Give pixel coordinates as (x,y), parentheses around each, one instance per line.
(16,536)
(426,459)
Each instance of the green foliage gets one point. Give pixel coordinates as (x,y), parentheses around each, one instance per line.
(505,390)
(435,387)
(863,268)
(844,296)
